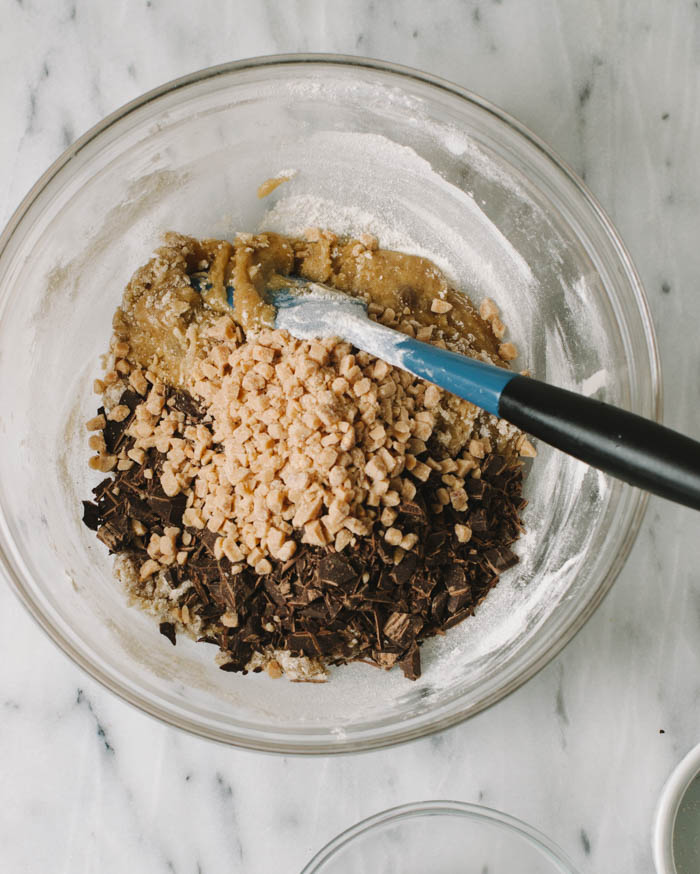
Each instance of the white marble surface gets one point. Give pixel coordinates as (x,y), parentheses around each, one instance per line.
(89,784)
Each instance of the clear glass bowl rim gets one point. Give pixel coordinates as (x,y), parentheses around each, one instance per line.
(439,808)
(639,499)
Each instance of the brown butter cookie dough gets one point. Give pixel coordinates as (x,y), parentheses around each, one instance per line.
(160,303)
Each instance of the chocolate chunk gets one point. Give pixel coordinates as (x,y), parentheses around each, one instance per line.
(114,534)
(91,515)
(168,510)
(494,466)
(336,571)
(273,590)
(251,631)
(386,552)
(476,488)
(201,591)
(456,580)
(303,643)
(456,618)
(435,541)
(207,537)
(314,612)
(412,508)
(410,663)
(423,584)
(167,629)
(114,433)
(401,627)
(378,596)
(334,605)
(130,399)
(328,642)
(233,665)
(230,590)
(210,612)
(477,521)
(459,601)
(185,403)
(140,510)
(506,558)
(438,608)
(172,575)
(386,579)
(404,570)
(103,487)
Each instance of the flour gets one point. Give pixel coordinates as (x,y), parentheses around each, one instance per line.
(414,214)
(292,215)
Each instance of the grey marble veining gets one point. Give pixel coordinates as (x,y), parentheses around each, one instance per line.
(581,751)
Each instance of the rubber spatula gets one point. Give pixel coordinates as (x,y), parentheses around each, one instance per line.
(629,447)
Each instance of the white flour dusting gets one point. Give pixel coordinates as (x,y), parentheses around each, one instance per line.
(293,214)
(400,198)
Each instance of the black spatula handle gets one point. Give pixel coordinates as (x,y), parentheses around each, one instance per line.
(629,447)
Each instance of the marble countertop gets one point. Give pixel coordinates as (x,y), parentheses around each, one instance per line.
(582,750)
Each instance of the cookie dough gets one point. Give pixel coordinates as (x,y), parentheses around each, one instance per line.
(298,503)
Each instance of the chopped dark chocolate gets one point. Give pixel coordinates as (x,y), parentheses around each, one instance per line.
(185,403)
(91,515)
(303,643)
(494,465)
(404,570)
(410,663)
(435,541)
(478,522)
(358,605)
(412,508)
(207,537)
(114,432)
(401,628)
(172,576)
(167,629)
(459,601)
(456,580)
(168,510)
(476,488)
(233,665)
(336,571)
(114,533)
(438,607)
(140,510)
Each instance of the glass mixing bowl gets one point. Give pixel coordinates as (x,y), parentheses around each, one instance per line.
(442,837)
(432,168)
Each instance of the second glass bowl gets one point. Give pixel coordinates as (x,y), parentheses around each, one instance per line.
(440,837)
